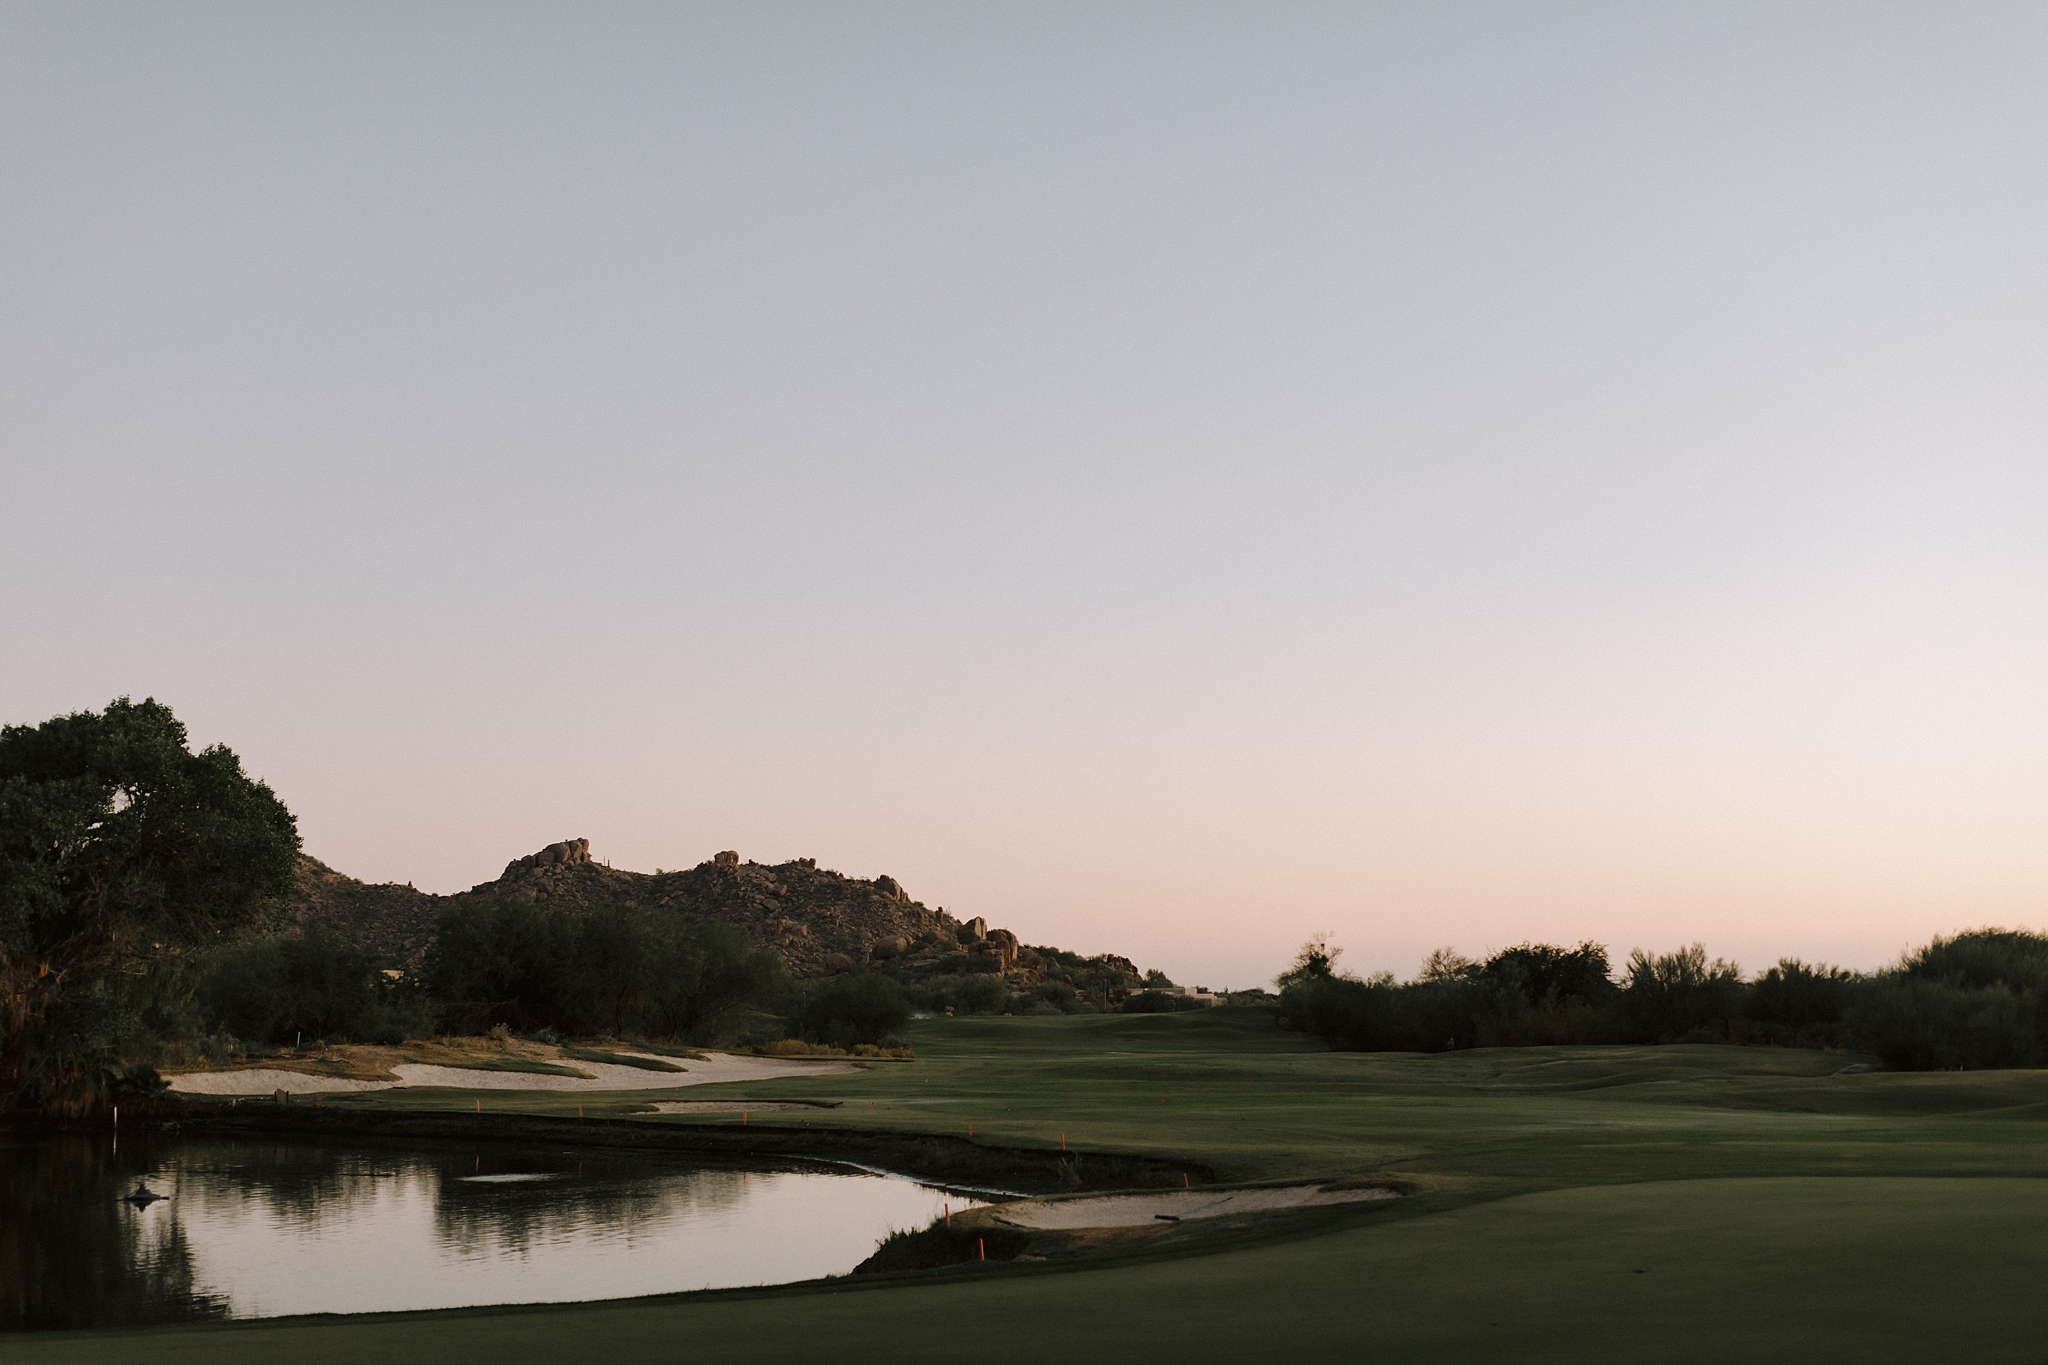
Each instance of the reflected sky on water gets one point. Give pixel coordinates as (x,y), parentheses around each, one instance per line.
(262,1229)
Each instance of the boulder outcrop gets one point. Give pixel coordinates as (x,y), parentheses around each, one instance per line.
(554,855)
(819,921)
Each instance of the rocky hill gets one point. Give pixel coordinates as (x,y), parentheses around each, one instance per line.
(821,921)
(384,918)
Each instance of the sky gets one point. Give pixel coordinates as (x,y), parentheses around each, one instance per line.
(1171,479)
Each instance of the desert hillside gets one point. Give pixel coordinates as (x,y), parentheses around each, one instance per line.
(820,920)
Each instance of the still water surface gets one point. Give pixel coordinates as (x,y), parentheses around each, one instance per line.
(260,1229)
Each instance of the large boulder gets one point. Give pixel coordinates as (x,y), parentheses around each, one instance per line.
(835,963)
(974,931)
(730,858)
(1005,946)
(891,888)
(554,855)
(888,948)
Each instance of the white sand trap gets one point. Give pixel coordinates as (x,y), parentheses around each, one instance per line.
(722,1106)
(263,1081)
(712,1069)
(1132,1210)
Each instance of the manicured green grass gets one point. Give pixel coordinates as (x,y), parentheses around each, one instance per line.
(1807,1270)
(1775,1210)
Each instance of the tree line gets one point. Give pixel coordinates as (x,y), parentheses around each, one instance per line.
(143,889)
(1976,999)
(143,885)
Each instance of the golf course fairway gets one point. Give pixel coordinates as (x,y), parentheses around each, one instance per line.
(1691,1203)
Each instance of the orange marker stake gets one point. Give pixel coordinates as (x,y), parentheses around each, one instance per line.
(316,1103)
(949,1215)
(579,1111)
(970,1127)
(1184,1180)
(743,1118)
(479,1104)
(1063,1142)
(981,1246)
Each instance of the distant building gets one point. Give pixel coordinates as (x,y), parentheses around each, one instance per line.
(1187,993)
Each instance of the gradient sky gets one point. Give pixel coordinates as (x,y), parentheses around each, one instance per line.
(1168,478)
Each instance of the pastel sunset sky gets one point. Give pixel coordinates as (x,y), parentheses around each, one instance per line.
(1169,478)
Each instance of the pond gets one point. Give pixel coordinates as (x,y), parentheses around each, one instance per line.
(266,1228)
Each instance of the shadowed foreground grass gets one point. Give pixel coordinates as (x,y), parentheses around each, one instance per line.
(1675,1204)
(1803,1269)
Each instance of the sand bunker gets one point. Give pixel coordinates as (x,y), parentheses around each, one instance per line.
(1132,1210)
(713,1068)
(262,1081)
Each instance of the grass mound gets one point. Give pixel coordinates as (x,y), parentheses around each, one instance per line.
(938,1245)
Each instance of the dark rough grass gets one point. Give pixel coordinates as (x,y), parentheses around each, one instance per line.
(938,1245)
(598,1054)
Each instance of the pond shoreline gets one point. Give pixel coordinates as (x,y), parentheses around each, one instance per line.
(952,1162)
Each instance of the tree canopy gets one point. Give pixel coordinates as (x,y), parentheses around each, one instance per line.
(120,849)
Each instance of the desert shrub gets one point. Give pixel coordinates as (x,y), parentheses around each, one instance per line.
(1061,996)
(1380,1016)
(1984,957)
(703,975)
(1159,1002)
(616,971)
(859,1007)
(1978,999)
(962,995)
(797,1047)
(1679,997)
(1527,995)
(274,990)
(511,962)
(1921,1025)
(1539,974)
(1534,994)
(1797,1004)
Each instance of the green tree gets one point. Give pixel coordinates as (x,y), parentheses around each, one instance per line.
(861,1007)
(1679,997)
(120,850)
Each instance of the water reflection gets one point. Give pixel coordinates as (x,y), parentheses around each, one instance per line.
(257,1229)
(73,1254)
